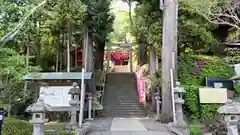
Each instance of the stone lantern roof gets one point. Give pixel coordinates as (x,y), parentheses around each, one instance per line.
(230,107)
(75,90)
(38,107)
(178,88)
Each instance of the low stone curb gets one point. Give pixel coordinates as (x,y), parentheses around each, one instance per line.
(177,131)
(84,130)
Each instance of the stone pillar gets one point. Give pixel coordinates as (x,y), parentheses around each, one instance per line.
(158,102)
(178,99)
(90,106)
(38,116)
(74,106)
(231,115)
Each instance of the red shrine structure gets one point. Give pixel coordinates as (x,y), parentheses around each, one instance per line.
(77,55)
(118,57)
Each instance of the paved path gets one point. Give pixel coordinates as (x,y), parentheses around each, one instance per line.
(127,126)
(129,133)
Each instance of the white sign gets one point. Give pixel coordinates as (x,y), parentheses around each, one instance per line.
(218,85)
(213,95)
(56,96)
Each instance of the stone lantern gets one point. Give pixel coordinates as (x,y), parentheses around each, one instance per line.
(231,115)
(178,99)
(38,110)
(74,102)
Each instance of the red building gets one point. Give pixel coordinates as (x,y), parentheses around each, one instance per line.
(119,57)
(77,55)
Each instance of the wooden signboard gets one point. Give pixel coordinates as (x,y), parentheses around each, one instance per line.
(213,95)
(56,97)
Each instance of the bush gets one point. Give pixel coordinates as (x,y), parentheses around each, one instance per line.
(16,127)
(192,71)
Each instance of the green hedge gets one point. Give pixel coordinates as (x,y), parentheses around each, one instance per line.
(14,126)
(192,70)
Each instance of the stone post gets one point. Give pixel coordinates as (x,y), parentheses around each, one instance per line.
(178,99)
(158,102)
(74,106)
(231,115)
(90,106)
(38,116)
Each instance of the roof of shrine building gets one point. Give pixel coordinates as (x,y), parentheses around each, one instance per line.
(58,76)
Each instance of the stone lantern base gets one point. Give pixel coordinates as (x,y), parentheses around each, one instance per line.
(72,126)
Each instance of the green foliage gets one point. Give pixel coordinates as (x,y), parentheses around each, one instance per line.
(195,131)
(102,21)
(191,76)
(194,32)
(147,24)
(121,27)
(233,55)
(97,106)
(16,127)
(12,70)
(237,90)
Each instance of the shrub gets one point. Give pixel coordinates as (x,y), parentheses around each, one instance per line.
(192,71)
(16,127)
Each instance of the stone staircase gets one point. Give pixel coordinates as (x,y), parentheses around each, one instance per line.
(121,69)
(121,97)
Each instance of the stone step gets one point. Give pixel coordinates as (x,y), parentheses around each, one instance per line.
(123,111)
(121,97)
(124,115)
(124,107)
(121,103)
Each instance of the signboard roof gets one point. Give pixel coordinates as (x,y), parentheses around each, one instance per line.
(58,76)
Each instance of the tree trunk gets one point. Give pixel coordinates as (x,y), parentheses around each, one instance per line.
(142,54)
(157,64)
(57,62)
(25,82)
(76,54)
(69,44)
(37,53)
(130,58)
(65,52)
(88,57)
(9,105)
(88,51)
(99,56)
(152,67)
(130,12)
(61,62)
(169,41)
